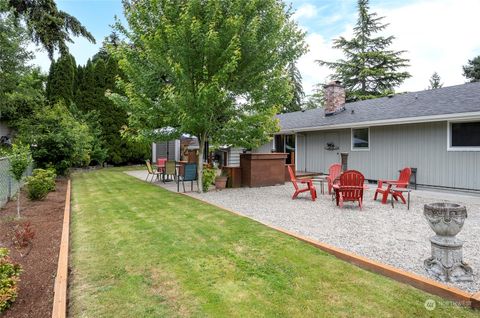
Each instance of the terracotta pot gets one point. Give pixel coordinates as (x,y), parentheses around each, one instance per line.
(221,182)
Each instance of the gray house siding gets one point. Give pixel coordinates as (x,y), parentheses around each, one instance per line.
(266,148)
(423,146)
(234,157)
(173,150)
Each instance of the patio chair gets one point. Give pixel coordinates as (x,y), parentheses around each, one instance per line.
(401,183)
(350,188)
(151,172)
(170,171)
(333,174)
(161,164)
(308,182)
(189,174)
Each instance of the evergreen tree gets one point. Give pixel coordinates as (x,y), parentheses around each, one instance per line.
(472,70)
(61,80)
(369,69)
(316,99)
(46,24)
(104,117)
(297,90)
(435,81)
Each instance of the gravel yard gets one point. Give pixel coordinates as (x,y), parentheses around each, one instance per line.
(398,237)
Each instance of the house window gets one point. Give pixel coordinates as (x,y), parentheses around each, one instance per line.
(360,138)
(286,144)
(464,136)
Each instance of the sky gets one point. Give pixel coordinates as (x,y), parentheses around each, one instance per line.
(437,35)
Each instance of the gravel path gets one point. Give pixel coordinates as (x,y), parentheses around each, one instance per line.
(397,237)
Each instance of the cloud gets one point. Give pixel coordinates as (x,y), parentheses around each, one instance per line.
(438,35)
(307,11)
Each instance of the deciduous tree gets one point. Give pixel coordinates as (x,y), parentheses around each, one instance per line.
(210,68)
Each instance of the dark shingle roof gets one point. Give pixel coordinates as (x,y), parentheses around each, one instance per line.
(441,101)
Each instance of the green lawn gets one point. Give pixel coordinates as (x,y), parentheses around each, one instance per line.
(141,251)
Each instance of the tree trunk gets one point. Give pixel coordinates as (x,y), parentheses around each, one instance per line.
(201,149)
(18,204)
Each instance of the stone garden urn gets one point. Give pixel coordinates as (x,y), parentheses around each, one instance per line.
(446,263)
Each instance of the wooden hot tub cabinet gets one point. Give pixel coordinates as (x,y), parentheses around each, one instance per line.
(262,169)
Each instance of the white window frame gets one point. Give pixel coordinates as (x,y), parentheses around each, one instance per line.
(449,136)
(352,148)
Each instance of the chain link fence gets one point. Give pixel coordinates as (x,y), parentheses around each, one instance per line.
(8,185)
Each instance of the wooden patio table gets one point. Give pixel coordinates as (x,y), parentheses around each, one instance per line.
(321,181)
(394,188)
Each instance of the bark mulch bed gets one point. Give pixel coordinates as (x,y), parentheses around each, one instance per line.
(35,297)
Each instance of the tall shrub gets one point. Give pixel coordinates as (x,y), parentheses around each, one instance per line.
(57,138)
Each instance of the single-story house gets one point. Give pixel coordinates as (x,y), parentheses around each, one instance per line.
(436,131)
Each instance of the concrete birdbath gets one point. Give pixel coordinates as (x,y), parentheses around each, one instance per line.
(446,263)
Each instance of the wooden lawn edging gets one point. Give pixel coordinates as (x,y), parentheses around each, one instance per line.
(423,283)
(61,280)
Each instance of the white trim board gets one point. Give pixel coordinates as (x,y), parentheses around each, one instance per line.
(351,140)
(449,136)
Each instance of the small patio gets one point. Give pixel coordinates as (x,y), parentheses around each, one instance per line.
(394,236)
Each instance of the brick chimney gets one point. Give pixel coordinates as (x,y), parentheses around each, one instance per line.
(334,98)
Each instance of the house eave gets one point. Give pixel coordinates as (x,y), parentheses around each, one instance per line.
(387,122)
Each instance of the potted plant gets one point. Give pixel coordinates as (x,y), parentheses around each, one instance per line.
(221,180)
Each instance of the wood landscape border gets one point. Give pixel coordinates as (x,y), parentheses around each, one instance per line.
(426,284)
(61,280)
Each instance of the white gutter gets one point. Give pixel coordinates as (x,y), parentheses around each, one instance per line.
(386,122)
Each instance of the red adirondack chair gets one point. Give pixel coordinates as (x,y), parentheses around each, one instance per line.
(350,188)
(402,182)
(308,182)
(333,173)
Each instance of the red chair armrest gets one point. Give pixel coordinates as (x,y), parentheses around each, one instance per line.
(305,180)
(381,182)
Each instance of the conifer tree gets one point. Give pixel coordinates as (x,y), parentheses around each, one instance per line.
(297,90)
(61,78)
(472,70)
(92,82)
(370,69)
(435,81)
(48,26)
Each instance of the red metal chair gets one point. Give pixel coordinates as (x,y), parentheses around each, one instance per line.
(333,174)
(310,187)
(350,188)
(161,164)
(402,182)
